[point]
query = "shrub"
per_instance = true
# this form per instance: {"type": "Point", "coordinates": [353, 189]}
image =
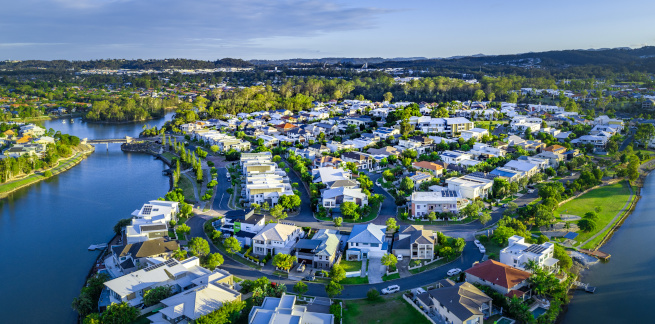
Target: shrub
{"type": "Point", "coordinates": [47, 174]}
{"type": "Point", "coordinates": [372, 294]}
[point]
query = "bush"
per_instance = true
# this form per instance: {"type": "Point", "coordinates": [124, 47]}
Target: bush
{"type": "Point", "coordinates": [47, 174]}
{"type": "Point", "coordinates": [210, 163]}
{"type": "Point", "coordinates": [372, 294]}
{"type": "Point", "coordinates": [335, 309]}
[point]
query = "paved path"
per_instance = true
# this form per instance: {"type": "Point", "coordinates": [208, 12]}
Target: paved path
{"type": "Point", "coordinates": [375, 270]}
{"type": "Point", "coordinates": [611, 223]}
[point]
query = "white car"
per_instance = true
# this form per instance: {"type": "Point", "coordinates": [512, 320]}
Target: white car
{"type": "Point", "coordinates": [477, 243]}
{"type": "Point", "coordinates": [399, 257]}
{"type": "Point", "coordinates": [391, 289]}
{"type": "Point", "coordinates": [530, 190]}
{"type": "Point", "coordinates": [482, 249]}
{"type": "Point", "coordinates": [454, 271]}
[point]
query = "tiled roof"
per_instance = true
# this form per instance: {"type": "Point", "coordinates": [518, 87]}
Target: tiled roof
{"type": "Point", "coordinates": [499, 273]}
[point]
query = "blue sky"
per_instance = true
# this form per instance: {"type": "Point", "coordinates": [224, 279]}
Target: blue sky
{"type": "Point", "coordinates": [270, 29]}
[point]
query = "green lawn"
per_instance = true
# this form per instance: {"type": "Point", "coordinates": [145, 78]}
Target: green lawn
{"type": "Point", "coordinates": [169, 156]}
{"type": "Point", "coordinates": [391, 277]}
{"type": "Point", "coordinates": [171, 234]}
{"type": "Point", "coordinates": [354, 281]}
{"type": "Point", "coordinates": [393, 310]}
{"type": "Point", "coordinates": [432, 265]}
{"type": "Point", "coordinates": [371, 215]}
{"type": "Point", "coordinates": [610, 198]}
{"type": "Point", "coordinates": [187, 188]}
{"type": "Point", "coordinates": [350, 266]}
{"type": "Point", "coordinates": [592, 244]}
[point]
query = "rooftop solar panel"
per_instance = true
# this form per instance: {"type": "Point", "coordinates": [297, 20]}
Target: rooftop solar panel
{"type": "Point", "coordinates": [534, 248]}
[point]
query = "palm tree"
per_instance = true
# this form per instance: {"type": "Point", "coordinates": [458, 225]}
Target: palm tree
{"type": "Point", "coordinates": [531, 265]}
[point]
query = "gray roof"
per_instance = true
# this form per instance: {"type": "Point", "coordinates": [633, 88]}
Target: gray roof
{"type": "Point", "coordinates": [463, 300]}
{"type": "Point", "coordinates": [369, 233]}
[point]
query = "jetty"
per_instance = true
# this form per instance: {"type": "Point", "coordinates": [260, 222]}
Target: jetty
{"type": "Point", "coordinates": [598, 254]}
{"type": "Point", "coordinates": [94, 247]}
{"type": "Point", "coordinates": [584, 286]}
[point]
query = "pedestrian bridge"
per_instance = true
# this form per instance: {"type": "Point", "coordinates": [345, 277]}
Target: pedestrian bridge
{"type": "Point", "coordinates": [127, 139]}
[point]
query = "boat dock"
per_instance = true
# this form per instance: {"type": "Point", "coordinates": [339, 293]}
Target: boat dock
{"type": "Point", "coordinates": [585, 287]}
{"type": "Point", "coordinates": [94, 247]}
{"type": "Point", "coordinates": [598, 254]}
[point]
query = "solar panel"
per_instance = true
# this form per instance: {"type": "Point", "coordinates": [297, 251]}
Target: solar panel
{"type": "Point", "coordinates": [534, 248]}
{"type": "Point", "coordinates": [571, 235]}
{"type": "Point", "coordinates": [146, 210]}
{"type": "Point", "coordinates": [153, 267]}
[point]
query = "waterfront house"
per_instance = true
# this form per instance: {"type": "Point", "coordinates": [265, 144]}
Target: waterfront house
{"type": "Point", "coordinates": [518, 253]}
{"type": "Point", "coordinates": [284, 310]}
{"type": "Point", "coordinates": [129, 257]}
{"type": "Point", "coordinates": [500, 277]}
{"type": "Point", "coordinates": [151, 221]}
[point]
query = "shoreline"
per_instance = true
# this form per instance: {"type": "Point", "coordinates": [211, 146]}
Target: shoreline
{"type": "Point", "coordinates": [84, 154]}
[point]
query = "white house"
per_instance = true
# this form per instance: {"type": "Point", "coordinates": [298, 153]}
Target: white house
{"type": "Point", "coordinates": [284, 310]}
{"type": "Point", "coordinates": [423, 203]}
{"type": "Point", "coordinates": [333, 198]}
{"type": "Point", "coordinates": [518, 253]}
{"type": "Point", "coordinates": [276, 238]}
{"type": "Point", "coordinates": [476, 133]}
{"type": "Point", "coordinates": [151, 221]}
{"type": "Point", "coordinates": [470, 187]}
{"type": "Point", "coordinates": [366, 241]}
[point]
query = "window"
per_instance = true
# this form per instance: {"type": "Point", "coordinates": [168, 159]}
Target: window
{"type": "Point", "coordinates": [375, 244]}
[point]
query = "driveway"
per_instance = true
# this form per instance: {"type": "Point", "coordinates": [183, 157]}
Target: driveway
{"type": "Point", "coordinates": [375, 270]}
{"type": "Point", "coordinates": [402, 265]}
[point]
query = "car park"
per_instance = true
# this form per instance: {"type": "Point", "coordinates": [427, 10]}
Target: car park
{"type": "Point", "coordinates": [454, 272]}
{"type": "Point", "coordinates": [391, 289]}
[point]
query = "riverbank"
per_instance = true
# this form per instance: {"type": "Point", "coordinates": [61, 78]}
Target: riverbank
{"type": "Point", "coordinates": [62, 165]}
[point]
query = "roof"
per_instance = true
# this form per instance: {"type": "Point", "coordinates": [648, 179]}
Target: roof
{"type": "Point", "coordinates": [198, 301]}
{"type": "Point", "coordinates": [368, 233]}
{"type": "Point", "coordinates": [463, 300]}
{"type": "Point", "coordinates": [498, 273]}
{"type": "Point", "coordinates": [343, 191]}
{"type": "Point", "coordinates": [276, 232]}
{"type": "Point", "coordinates": [147, 248]}
{"type": "Point", "coordinates": [427, 165]}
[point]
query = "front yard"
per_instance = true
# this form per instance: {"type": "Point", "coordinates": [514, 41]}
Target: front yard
{"type": "Point", "coordinates": [350, 266]}
{"type": "Point", "coordinates": [391, 310]}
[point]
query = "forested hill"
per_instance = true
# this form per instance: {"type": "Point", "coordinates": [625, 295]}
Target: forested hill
{"type": "Point", "coordinates": [640, 59]}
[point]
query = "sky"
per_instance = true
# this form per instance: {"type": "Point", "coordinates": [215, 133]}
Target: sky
{"type": "Point", "coordinates": [272, 29]}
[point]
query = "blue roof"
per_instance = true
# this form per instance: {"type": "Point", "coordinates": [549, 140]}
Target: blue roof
{"type": "Point", "coordinates": [502, 173]}
{"type": "Point", "coordinates": [368, 233]}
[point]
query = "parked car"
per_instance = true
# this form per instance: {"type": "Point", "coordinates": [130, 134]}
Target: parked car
{"type": "Point", "coordinates": [477, 243]}
{"type": "Point", "coordinates": [454, 271]}
{"type": "Point", "coordinates": [530, 190]}
{"type": "Point", "coordinates": [482, 249]}
{"type": "Point", "coordinates": [399, 257]}
{"type": "Point", "coordinates": [390, 290]}
{"type": "Point", "coordinates": [301, 267]}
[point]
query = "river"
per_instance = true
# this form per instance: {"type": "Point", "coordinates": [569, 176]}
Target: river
{"type": "Point", "coordinates": [626, 284]}
{"type": "Point", "coordinates": [45, 229]}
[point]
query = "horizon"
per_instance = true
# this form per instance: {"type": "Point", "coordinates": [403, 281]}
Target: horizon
{"type": "Point", "coordinates": [260, 30]}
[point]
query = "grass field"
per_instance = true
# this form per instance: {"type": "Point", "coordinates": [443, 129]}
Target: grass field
{"type": "Point", "coordinates": [592, 244]}
{"type": "Point", "coordinates": [351, 265]}
{"type": "Point", "coordinates": [6, 187]}
{"type": "Point", "coordinates": [187, 188]}
{"type": "Point", "coordinates": [610, 198]}
{"type": "Point", "coordinates": [391, 277]}
{"type": "Point", "coordinates": [169, 156]}
{"type": "Point", "coordinates": [354, 281]}
{"type": "Point", "coordinates": [394, 310]}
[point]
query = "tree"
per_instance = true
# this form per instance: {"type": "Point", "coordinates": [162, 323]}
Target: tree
{"type": "Point", "coordinates": [502, 234]}
{"type": "Point", "coordinates": [349, 209]}
{"type": "Point", "coordinates": [213, 260]}
{"type": "Point", "coordinates": [338, 221]}
{"type": "Point", "coordinates": [183, 229]}
{"type": "Point", "coordinates": [591, 215]}
{"type": "Point", "coordinates": [389, 260]}
{"type": "Point", "coordinates": [478, 95]}
{"type": "Point", "coordinates": [459, 244]}
{"type": "Point", "coordinates": [229, 312]}
{"type": "Point", "coordinates": [587, 225]}
{"type": "Point", "coordinates": [278, 212]}
{"type": "Point", "coordinates": [284, 261]}
{"type": "Point", "coordinates": [365, 182]}
{"type": "Point", "coordinates": [333, 289]}
{"type": "Point", "coordinates": [485, 217]}
{"type": "Point", "coordinates": [232, 245]}
{"type": "Point", "coordinates": [337, 273]}
{"type": "Point", "coordinates": [446, 252]}
{"type": "Point", "coordinates": [387, 96]}
{"type": "Point", "coordinates": [180, 254]}
{"type": "Point", "coordinates": [300, 288]}
{"type": "Point", "coordinates": [198, 246]}
{"type": "Point", "coordinates": [407, 184]}
{"type": "Point", "coordinates": [157, 294]}
{"type": "Point", "coordinates": [565, 261]}
{"type": "Point", "coordinates": [120, 314]}
{"type": "Point", "coordinates": [391, 225]}
{"type": "Point", "coordinates": [510, 209]}
{"type": "Point", "coordinates": [214, 148]}
{"type": "Point", "coordinates": [372, 294]}
{"type": "Point", "coordinates": [185, 210]}
{"type": "Point", "coordinates": [432, 217]}
{"type": "Point", "coordinates": [118, 228]}
{"type": "Point", "coordinates": [644, 133]}
{"type": "Point", "coordinates": [93, 318]}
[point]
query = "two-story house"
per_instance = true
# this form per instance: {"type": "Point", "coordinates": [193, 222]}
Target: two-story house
{"type": "Point", "coordinates": [414, 242]}
{"type": "Point", "coordinates": [321, 251]}
{"type": "Point", "coordinates": [518, 253]}
{"type": "Point", "coordinates": [276, 238]}
{"type": "Point", "coordinates": [461, 303]}
{"type": "Point", "coordinates": [366, 240]}
{"type": "Point", "coordinates": [500, 277]}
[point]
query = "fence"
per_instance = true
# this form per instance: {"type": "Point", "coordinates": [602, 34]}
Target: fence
{"type": "Point", "coordinates": [353, 274]}
{"type": "Point", "coordinates": [418, 309]}
{"type": "Point", "coordinates": [424, 263]}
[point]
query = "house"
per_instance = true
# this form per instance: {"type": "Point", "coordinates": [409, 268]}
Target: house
{"type": "Point", "coordinates": [362, 160]}
{"type": "Point", "coordinates": [329, 175]}
{"type": "Point", "coordinates": [327, 161]}
{"type": "Point", "coordinates": [385, 151]}
{"type": "Point", "coordinates": [241, 220]}
{"type": "Point", "coordinates": [284, 310]}
{"type": "Point", "coordinates": [366, 240]}
{"type": "Point", "coordinates": [285, 127]}
{"type": "Point", "coordinates": [555, 149]}
{"type": "Point", "coordinates": [435, 169]}
{"type": "Point", "coordinates": [321, 251]}
{"type": "Point", "coordinates": [269, 141]}
{"type": "Point", "coordinates": [32, 130]}
{"type": "Point", "coordinates": [500, 277]}
{"type": "Point", "coordinates": [130, 288]}
{"type": "Point", "coordinates": [476, 133]}
{"type": "Point", "coordinates": [129, 257]}
{"type": "Point", "coordinates": [276, 238]}
{"type": "Point", "coordinates": [208, 294]}
{"type": "Point", "coordinates": [334, 197]}
{"type": "Point", "coordinates": [423, 203]}
{"type": "Point", "coordinates": [553, 158]}
{"type": "Point", "coordinates": [518, 253]}
{"type": "Point", "coordinates": [458, 304]}
{"type": "Point", "coordinates": [414, 242]}
{"type": "Point", "coordinates": [151, 221]}
{"type": "Point", "coordinates": [508, 174]}
{"type": "Point", "coordinates": [528, 169]}
{"type": "Point", "coordinates": [455, 157]}
{"type": "Point", "coordinates": [486, 150]}
{"type": "Point", "coordinates": [384, 132]}
{"type": "Point", "coordinates": [471, 187]}
{"type": "Point", "coordinates": [599, 142]}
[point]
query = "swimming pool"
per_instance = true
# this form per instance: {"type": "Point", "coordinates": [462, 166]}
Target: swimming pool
{"type": "Point", "coordinates": [505, 320]}
{"type": "Point", "coordinates": [538, 311]}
